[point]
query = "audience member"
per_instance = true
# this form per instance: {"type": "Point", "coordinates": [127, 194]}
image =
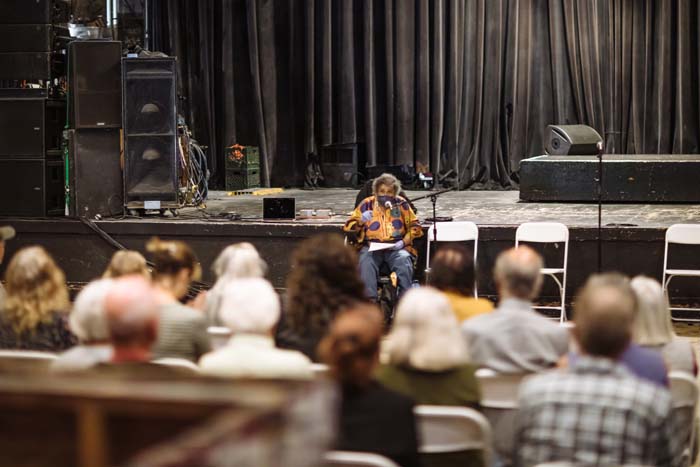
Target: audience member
{"type": "Point", "coordinates": [127, 263]}
{"type": "Point", "coordinates": [6, 233]}
{"type": "Point", "coordinates": [237, 261]}
{"type": "Point", "coordinates": [88, 322]}
{"type": "Point", "coordinates": [182, 331]}
{"type": "Point", "coordinates": [653, 328]}
{"type": "Point", "coordinates": [372, 418]}
{"type": "Point", "coordinates": [452, 271]}
{"type": "Point", "coordinates": [595, 412]}
{"type": "Point", "coordinates": [323, 279]}
{"type": "Point", "coordinates": [514, 338]}
{"type": "Point", "coordinates": [132, 312]}
{"type": "Point", "coordinates": [385, 217]}
{"type": "Point", "coordinates": [250, 308]}
{"type": "Point", "coordinates": [34, 313]}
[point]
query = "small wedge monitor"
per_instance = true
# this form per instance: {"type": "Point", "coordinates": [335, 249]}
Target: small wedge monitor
{"type": "Point", "coordinates": [279, 209]}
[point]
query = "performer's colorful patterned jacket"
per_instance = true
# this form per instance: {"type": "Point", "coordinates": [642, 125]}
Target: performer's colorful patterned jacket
{"type": "Point", "coordinates": [386, 226]}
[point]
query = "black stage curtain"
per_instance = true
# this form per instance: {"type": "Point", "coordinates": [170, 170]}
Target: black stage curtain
{"type": "Point", "coordinates": [461, 85]}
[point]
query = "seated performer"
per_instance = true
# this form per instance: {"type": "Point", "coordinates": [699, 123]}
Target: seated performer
{"type": "Point", "coordinates": [384, 217]}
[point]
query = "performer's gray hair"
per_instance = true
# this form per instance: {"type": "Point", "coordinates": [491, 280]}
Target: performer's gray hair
{"type": "Point", "coordinates": [387, 180]}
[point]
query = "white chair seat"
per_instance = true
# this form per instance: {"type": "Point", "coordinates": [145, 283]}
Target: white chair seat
{"type": "Point", "coordinates": [683, 272]}
{"type": "Point", "coordinates": [356, 459]}
{"type": "Point", "coordinates": [552, 270]}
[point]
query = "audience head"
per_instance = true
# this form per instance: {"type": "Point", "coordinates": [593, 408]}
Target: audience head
{"type": "Point", "coordinates": [127, 263]}
{"type": "Point", "coordinates": [6, 233]}
{"type": "Point", "coordinates": [603, 313]}
{"type": "Point", "coordinates": [517, 273]}
{"type": "Point", "coordinates": [425, 333]}
{"type": "Point", "coordinates": [88, 319]}
{"type": "Point", "coordinates": [386, 184]}
{"type": "Point", "coordinates": [249, 305]}
{"type": "Point", "coordinates": [652, 322]}
{"type": "Point", "coordinates": [35, 288]}
{"type": "Point", "coordinates": [323, 279]}
{"type": "Point", "coordinates": [239, 261]}
{"type": "Point", "coordinates": [351, 347]}
{"type": "Point", "coordinates": [132, 317]}
{"type": "Point", "coordinates": [452, 269]}
{"type": "Point", "coordinates": [175, 265]}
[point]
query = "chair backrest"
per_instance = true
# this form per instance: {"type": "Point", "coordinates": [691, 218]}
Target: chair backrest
{"type": "Point", "coordinates": [542, 232]}
{"type": "Point", "coordinates": [452, 429]}
{"type": "Point", "coordinates": [319, 369]}
{"type": "Point", "coordinates": [688, 234]}
{"type": "Point", "coordinates": [570, 464]}
{"type": "Point", "coordinates": [178, 363]}
{"type": "Point", "coordinates": [462, 231]}
{"type": "Point", "coordinates": [684, 393]}
{"type": "Point", "coordinates": [499, 390]}
{"type": "Point", "coordinates": [26, 360]}
{"type": "Point", "coordinates": [218, 336]}
{"type": "Point", "coordinates": [356, 459]}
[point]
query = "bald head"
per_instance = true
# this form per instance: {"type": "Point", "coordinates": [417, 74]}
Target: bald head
{"type": "Point", "coordinates": [131, 308]}
{"type": "Point", "coordinates": [517, 273]}
{"type": "Point", "coordinates": [604, 313]}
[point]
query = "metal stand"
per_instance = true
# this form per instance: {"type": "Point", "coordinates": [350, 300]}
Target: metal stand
{"type": "Point", "coordinates": [433, 196]}
{"type": "Point", "coordinates": [600, 208]}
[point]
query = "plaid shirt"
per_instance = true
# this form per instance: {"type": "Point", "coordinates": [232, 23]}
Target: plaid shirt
{"type": "Point", "coordinates": [595, 413]}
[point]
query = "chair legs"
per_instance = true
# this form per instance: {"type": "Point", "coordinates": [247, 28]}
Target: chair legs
{"type": "Point", "coordinates": [666, 282]}
{"type": "Point", "coordinates": [562, 298]}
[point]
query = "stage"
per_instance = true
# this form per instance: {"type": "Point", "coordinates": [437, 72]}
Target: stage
{"type": "Point", "coordinates": [632, 240]}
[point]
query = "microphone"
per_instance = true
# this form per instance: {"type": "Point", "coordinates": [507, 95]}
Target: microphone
{"type": "Point", "coordinates": [388, 205]}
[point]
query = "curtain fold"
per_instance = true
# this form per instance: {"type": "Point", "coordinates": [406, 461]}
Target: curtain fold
{"type": "Point", "coordinates": [464, 88]}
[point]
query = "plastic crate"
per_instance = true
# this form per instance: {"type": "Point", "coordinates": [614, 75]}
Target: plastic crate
{"type": "Point", "coordinates": [242, 157]}
{"type": "Point", "coordinates": [241, 179]}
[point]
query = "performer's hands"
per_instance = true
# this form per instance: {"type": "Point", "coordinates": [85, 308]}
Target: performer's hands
{"type": "Point", "coordinates": [366, 216]}
{"type": "Point", "coordinates": [398, 245]}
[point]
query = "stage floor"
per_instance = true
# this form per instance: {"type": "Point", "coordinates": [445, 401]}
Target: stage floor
{"type": "Point", "coordinates": [489, 208]}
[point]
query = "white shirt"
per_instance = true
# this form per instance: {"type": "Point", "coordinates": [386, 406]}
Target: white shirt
{"type": "Point", "coordinates": [255, 356]}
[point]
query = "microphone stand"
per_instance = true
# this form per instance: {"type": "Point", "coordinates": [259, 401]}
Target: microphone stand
{"type": "Point", "coordinates": [600, 207]}
{"type": "Point", "coordinates": [433, 199]}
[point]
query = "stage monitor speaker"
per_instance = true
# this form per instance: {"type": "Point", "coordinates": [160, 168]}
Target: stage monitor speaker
{"type": "Point", "coordinates": [30, 127]}
{"type": "Point", "coordinates": [26, 37]}
{"type": "Point", "coordinates": [25, 65]}
{"type": "Point", "coordinates": [339, 163]}
{"type": "Point", "coordinates": [31, 187]}
{"type": "Point", "coordinates": [95, 84]}
{"type": "Point", "coordinates": [96, 185]}
{"type": "Point", "coordinates": [580, 140]}
{"type": "Point", "coordinates": [26, 11]}
{"type": "Point", "coordinates": [150, 132]}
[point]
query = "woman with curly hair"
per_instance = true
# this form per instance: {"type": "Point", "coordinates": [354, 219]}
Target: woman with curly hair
{"type": "Point", "coordinates": [323, 280]}
{"type": "Point", "coordinates": [34, 313]}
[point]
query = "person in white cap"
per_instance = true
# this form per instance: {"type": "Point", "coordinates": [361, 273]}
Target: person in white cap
{"type": "Point", "coordinates": [6, 233]}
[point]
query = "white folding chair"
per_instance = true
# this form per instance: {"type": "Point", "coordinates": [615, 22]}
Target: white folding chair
{"type": "Point", "coordinates": [549, 232]}
{"type": "Point", "coordinates": [26, 360]}
{"type": "Point", "coordinates": [356, 459]}
{"type": "Point", "coordinates": [453, 232]}
{"type": "Point", "coordinates": [684, 392]}
{"type": "Point", "coordinates": [452, 429]}
{"type": "Point", "coordinates": [179, 364]}
{"type": "Point", "coordinates": [684, 234]}
{"type": "Point", "coordinates": [319, 369]}
{"type": "Point", "coordinates": [218, 336]}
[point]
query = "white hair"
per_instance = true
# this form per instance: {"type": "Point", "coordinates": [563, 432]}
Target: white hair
{"type": "Point", "coordinates": [652, 323]}
{"type": "Point", "coordinates": [425, 333]}
{"type": "Point", "coordinates": [238, 261]}
{"type": "Point", "coordinates": [249, 306]}
{"type": "Point", "coordinates": [87, 320]}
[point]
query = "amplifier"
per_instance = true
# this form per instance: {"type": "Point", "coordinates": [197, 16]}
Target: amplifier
{"type": "Point", "coordinates": [25, 65]}
{"type": "Point", "coordinates": [31, 187]}
{"type": "Point", "coordinates": [29, 127]}
{"type": "Point", "coordinates": [26, 38]}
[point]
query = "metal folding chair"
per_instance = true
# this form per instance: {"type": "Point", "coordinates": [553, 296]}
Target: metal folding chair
{"type": "Point", "coordinates": [453, 232]}
{"type": "Point", "coordinates": [683, 234]}
{"type": "Point", "coordinates": [356, 459]}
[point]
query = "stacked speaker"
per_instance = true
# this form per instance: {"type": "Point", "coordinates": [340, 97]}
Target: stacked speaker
{"type": "Point", "coordinates": [95, 91]}
{"type": "Point", "coordinates": [150, 133]}
{"type": "Point", "coordinates": [26, 39]}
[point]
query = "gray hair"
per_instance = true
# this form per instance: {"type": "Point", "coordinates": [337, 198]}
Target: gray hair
{"type": "Point", "coordinates": [238, 261]}
{"type": "Point", "coordinates": [652, 322]}
{"type": "Point", "coordinates": [518, 272]}
{"type": "Point", "coordinates": [249, 306]}
{"type": "Point", "coordinates": [386, 180]}
{"type": "Point", "coordinates": [87, 320]}
{"type": "Point", "coordinates": [425, 334]}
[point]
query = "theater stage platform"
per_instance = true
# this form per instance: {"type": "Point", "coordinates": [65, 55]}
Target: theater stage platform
{"type": "Point", "coordinates": [633, 234]}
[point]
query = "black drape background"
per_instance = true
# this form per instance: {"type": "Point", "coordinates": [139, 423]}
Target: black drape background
{"type": "Point", "coordinates": [463, 85]}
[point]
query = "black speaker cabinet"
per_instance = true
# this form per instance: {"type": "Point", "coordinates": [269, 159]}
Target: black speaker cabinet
{"type": "Point", "coordinates": [149, 110]}
{"type": "Point", "coordinates": [580, 140]}
{"type": "Point", "coordinates": [96, 185]}
{"type": "Point", "coordinates": [339, 163]}
{"type": "Point", "coordinates": [25, 65]}
{"type": "Point", "coordinates": [26, 37]}
{"type": "Point", "coordinates": [26, 11]}
{"type": "Point", "coordinates": [31, 187]}
{"type": "Point", "coordinates": [95, 84]}
{"type": "Point", "coordinates": [30, 127]}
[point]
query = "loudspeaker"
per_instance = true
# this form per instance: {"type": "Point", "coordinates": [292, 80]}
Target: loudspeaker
{"type": "Point", "coordinates": [580, 140]}
{"type": "Point", "coordinates": [96, 185]}
{"type": "Point", "coordinates": [26, 11]}
{"type": "Point", "coordinates": [31, 187]}
{"type": "Point", "coordinates": [26, 37]}
{"type": "Point", "coordinates": [30, 127]}
{"type": "Point", "coordinates": [339, 165]}
{"type": "Point", "coordinates": [25, 65]}
{"type": "Point", "coordinates": [149, 113]}
{"type": "Point", "coordinates": [95, 84]}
